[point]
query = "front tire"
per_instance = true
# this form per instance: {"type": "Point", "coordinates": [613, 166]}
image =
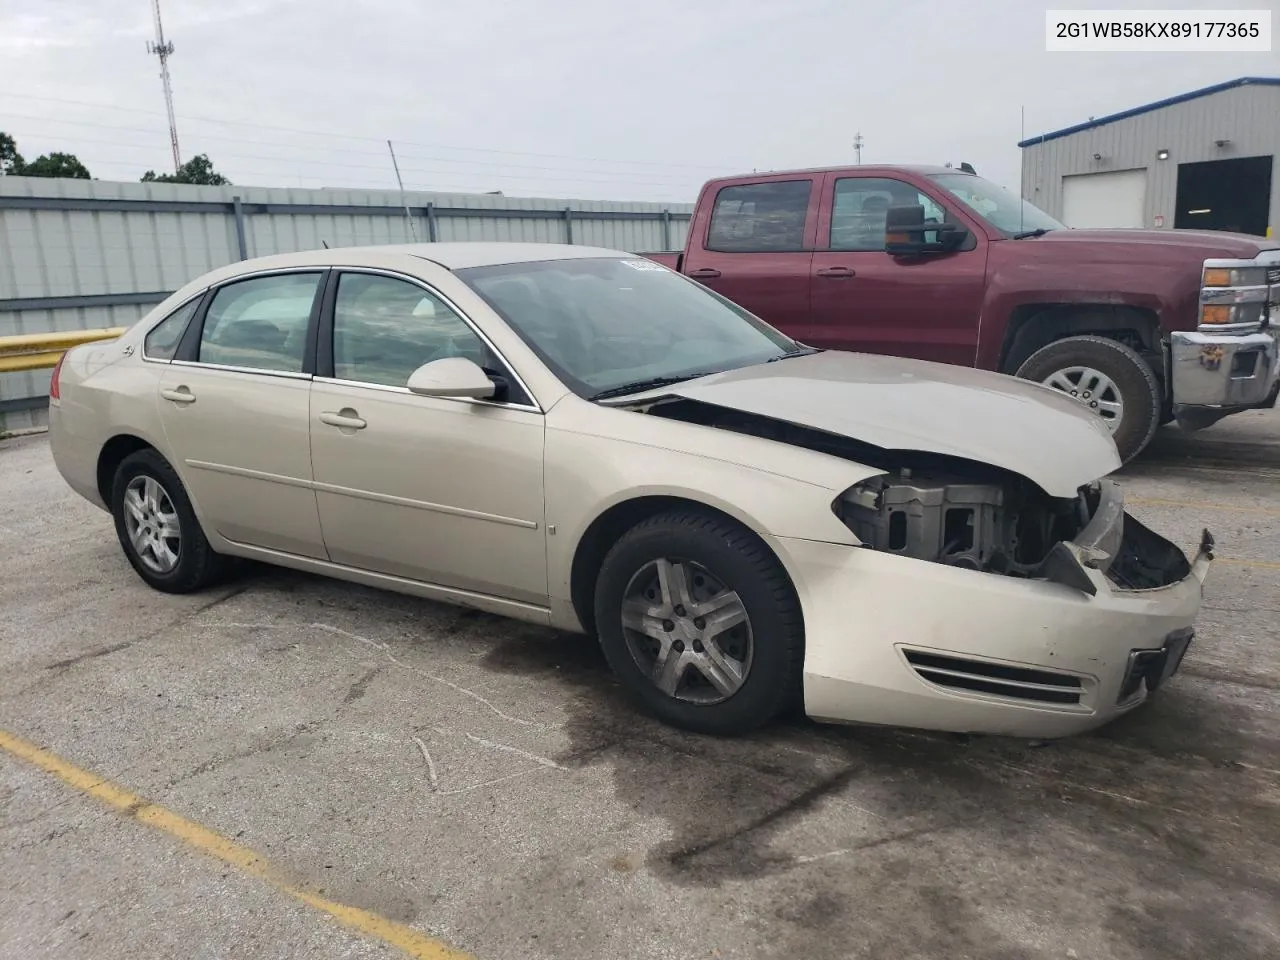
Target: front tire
{"type": "Point", "coordinates": [700, 623]}
{"type": "Point", "coordinates": [157, 526]}
{"type": "Point", "coordinates": [1108, 378]}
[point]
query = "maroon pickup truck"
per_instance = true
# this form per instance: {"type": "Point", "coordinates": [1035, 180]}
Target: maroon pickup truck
{"type": "Point", "coordinates": [1143, 326]}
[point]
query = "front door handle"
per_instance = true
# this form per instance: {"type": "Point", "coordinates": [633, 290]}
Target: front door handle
{"type": "Point", "coordinates": [704, 273]}
{"type": "Point", "coordinates": [181, 394]}
{"type": "Point", "coordinates": [345, 419]}
{"type": "Point", "coordinates": [836, 272]}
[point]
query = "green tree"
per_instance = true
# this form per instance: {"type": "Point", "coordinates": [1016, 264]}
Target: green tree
{"type": "Point", "coordinates": [48, 165]}
{"type": "Point", "coordinates": [11, 162]}
{"type": "Point", "coordinates": [199, 169]}
{"type": "Point", "coordinates": [56, 165]}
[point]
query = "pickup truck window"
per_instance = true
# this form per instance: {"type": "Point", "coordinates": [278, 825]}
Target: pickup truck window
{"type": "Point", "coordinates": [860, 207]}
{"type": "Point", "coordinates": [760, 217]}
{"type": "Point", "coordinates": [1001, 208]}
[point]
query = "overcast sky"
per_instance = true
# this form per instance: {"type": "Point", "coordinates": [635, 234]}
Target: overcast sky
{"type": "Point", "coordinates": [563, 98]}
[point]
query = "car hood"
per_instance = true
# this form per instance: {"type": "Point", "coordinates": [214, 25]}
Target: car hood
{"type": "Point", "coordinates": [1207, 243]}
{"type": "Point", "coordinates": [915, 405]}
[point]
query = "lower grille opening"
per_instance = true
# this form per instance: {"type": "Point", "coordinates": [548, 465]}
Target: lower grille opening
{"type": "Point", "coordinates": [1021, 683]}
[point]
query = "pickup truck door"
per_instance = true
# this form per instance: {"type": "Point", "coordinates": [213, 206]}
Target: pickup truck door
{"type": "Point", "coordinates": [866, 300]}
{"type": "Point", "coordinates": [753, 241]}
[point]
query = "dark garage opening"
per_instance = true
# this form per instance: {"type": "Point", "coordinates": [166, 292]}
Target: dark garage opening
{"type": "Point", "coordinates": [1230, 195]}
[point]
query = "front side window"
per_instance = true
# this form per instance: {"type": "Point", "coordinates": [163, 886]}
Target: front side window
{"type": "Point", "coordinates": [384, 329]}
{"type": "Point", "coordinates": [162, 342]}
{"type": "Point", "coordinates": [260, 323]}
{"type": "Point", "coordinates": [604, 323]}
{"type": "Point", "coordinates": [1004, 210]}
{"type": "Point", "coordinates": [760, 217]}
{"type": "Point", "coordinates": [860, 210]}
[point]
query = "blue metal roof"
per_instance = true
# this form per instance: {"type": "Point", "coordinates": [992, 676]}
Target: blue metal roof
{"type": "Point", "coordinates": [1147, 108]}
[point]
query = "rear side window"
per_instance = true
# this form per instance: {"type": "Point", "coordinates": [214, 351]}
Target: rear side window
{"type": "Point", "coordinates": [260, 323]}
{"type": "Point", "coordinates": [760, 217]}
{"type": "Point", "coordinates": [162, 342]}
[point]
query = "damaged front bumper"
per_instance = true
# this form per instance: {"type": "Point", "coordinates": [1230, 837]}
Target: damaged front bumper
{"type": "Point", "coordinates": [899, 641]}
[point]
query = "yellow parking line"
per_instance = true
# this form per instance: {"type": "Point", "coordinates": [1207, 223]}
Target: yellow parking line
{"type": "Point", "coordinates": [1268, 564]}
{"type": "Point", "coordinates": [214, 844]}
{"type": "Point", "coordinates": [1199, 505]}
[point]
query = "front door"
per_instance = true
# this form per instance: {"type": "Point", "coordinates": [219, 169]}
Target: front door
{"type": "Point", "coordinates": [867, 300]}
{"type": "Point", "coordinates": [438, 490]}
{"type": "Point", "coordinates": [235, 410]}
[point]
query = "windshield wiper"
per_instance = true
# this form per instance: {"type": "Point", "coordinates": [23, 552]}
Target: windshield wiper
{"type": "Point", "coordinates": [802, 352]}
{"type": "Point", "coordinates": [639, 386]}
{"type": "Point", "coordinates": [1038, 232]}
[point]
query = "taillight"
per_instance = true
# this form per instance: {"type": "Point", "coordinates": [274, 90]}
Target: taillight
{"type": "Point", "coordinates": [54, 390]}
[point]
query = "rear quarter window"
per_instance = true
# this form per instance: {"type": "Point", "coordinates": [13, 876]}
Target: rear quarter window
{"type": "Point", "coordinates": [162, 342]}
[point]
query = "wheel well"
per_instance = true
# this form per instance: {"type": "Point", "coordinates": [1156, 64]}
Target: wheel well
{"type": "Point", "coordinates": [1033, 326]}
{"type": "Point", "coordinates": [113, 451]}
{"type": "Point", "coordinates": [607, 529]}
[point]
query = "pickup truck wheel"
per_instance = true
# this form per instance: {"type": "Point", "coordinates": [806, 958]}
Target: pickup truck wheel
{"type": "Point", "coordinates": [1109, 378]}
{"type": "Point", "coordinates": [701, 623]}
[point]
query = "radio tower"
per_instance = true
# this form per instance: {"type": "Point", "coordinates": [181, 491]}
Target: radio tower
{"type": "Point", "coordinates": [857, 137]}
{"type": "Point", "coordinates": [164, 50]}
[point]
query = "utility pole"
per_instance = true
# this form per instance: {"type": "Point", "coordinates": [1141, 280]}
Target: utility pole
{"type": "Point", "coordinates": [413, 231]}
{"type": "Point", "coordinates": [857, 146]}
{"type": "Point", "coordinates": [165, 50]}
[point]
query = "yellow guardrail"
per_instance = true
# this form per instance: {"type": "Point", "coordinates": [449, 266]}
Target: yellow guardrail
{"type": "Point", "coordinates": [38, 351]}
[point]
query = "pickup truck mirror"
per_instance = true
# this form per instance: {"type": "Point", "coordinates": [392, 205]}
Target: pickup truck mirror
{"type": "Point", "coordinates": [905, 232]}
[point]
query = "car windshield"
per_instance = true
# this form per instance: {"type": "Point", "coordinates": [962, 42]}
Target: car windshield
{"type": "Point", "coordinates": [603, 324]}
{"type": "Point", "coordinates": [1001, 208]}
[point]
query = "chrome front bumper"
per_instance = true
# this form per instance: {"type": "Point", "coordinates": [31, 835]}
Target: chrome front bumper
{"type": "Point", "coordinates": [1214, 375]}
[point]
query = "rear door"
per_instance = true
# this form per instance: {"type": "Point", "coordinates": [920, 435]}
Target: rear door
{"type": "Point", "coordinates": [234, 403]}
{"type": "Point", "coordinates": [866, 300]}
{"type": "Point", "coordinates": [753, 242]}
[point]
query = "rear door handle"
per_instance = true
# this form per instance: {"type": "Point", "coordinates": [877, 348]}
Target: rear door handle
{"type": "Point", "coordinates": [836, 272]}
{"type": "Point", "coordinates": [704, 273]}
{"type": "Point", "coordinates": [181, 394]}
{"type": "Point", "coordinates": [346, 419]}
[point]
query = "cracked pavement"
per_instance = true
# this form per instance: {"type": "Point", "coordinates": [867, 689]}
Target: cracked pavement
{"type": "Point", "coordinates": [485, 781]}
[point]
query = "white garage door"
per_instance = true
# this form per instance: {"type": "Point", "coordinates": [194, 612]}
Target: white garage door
{"type": "Point", "coordinates": [1113, 199]}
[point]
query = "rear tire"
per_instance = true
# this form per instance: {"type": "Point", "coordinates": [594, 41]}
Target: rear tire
{"type": "Point", "coordinates": [1126, 393]}
{"type": "Point", "coordinates": [713, 639]}
{"type": "Point", "coordinates": [157, 526]}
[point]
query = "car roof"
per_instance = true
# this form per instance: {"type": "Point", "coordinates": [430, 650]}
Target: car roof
{"type": "Point", "coordinates": [452, 256]}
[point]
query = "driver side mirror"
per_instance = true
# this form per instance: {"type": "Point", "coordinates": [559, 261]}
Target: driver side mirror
{"type": "Point", "coordinates": [905, 230]}
{"type": "Point", "coordinates": [451, 377]}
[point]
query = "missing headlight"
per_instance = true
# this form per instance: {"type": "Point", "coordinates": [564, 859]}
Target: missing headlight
{"type": "Point", "coordinates": [946, 518]}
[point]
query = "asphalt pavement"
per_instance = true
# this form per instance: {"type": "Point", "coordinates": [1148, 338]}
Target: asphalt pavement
{"type": "Point", "coordinates": [288, 766]}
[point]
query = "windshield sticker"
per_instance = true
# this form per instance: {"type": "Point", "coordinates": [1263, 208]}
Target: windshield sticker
{"type": "Point", "coordinates": [644, 265]}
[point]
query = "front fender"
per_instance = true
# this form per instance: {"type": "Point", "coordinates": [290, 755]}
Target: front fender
{"type": "Point", "coordinates": [588, 475]}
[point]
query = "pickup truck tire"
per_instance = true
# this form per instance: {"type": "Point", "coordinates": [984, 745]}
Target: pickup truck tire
{"type": "Point", "coordinates": [1110, 378]}
{"type": "Point", "coordinates": [700, 623]}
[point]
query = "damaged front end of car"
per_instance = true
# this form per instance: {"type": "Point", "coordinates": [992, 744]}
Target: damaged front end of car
{"type": "Point", "coordinates": [1012, 528]}
{"type": "Point", "coordinates": [943, 508]}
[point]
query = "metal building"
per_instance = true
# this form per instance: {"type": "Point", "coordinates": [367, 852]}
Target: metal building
{"type": "Point", "coordinates": [1208, 159]}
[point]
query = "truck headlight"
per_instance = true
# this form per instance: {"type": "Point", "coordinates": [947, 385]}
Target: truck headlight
{"type": "Point", "coordinates": [1214, 316]}
{"type": "Point", "coordinates": [1234, 276]}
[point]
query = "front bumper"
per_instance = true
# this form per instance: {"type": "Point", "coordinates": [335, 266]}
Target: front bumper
{"type": "Point", "coordinates": [892, 640]}
{"type": "Point", "coordinates": [1214, 375]}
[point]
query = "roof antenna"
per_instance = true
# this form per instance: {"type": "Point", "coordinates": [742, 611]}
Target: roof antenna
{"type": "Point", "coordinates": [326, 244]}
